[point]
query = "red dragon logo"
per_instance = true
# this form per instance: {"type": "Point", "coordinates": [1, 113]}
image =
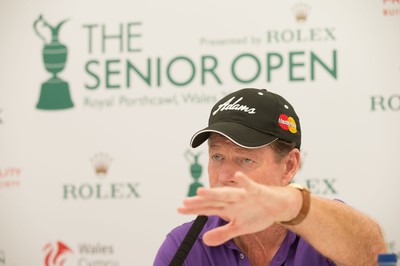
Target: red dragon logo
{"type": "Point", "coordinates": [55, 255]}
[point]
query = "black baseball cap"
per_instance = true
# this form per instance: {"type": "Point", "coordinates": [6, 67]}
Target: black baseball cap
{"type": "Point", "coordinates": [252, 118]}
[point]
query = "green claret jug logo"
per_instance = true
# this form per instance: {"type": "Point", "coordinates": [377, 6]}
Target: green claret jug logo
{"type": "Point", "coordinates": [195, 171]}
{"type": "Point", "coordinates": [54, 93]}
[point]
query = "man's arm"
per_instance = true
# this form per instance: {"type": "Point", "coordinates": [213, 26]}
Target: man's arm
{"type": "Point", "coordinates": [336, 230]}
{"type": "Point", "coordinates": [341, 233]}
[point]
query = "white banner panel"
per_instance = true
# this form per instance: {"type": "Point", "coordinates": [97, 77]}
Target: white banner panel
{"type": "Point", "coordinates": [99, 99]}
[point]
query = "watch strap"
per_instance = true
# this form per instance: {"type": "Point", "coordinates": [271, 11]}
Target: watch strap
{"type": "Point", "coordinates": [305, 207]}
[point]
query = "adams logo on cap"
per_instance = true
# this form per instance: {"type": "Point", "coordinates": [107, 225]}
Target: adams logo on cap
{"type": "Point", "coordinates": [235, 106]}
{"type": "Point", "coordinates": [287, 123]}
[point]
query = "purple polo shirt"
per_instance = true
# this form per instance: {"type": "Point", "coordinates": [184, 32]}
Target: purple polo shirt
{"type": "Point", "coordinates": [294, 251]}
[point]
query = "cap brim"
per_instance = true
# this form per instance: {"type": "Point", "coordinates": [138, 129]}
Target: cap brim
{"type": "Point", "coordinates": [239, 134]}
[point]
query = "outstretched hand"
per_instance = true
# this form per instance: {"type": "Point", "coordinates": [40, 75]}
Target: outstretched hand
{"type": "Point", "coordinates": [248, 207]}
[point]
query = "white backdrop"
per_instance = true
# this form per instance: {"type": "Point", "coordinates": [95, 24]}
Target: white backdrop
{"type": "Point", "coordinates": [98, 183]}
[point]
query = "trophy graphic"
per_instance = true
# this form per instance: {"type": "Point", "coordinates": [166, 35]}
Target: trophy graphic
{"type": "Point", "coordinates": [54, 93]}
{"type": "Point", "coordinates": [195, 170]}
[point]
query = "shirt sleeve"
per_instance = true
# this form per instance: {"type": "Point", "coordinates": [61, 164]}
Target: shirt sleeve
{"type": "Point", "coordinates": [166, 251]}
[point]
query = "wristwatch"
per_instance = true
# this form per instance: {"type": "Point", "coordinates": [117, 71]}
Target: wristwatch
{"type": "Point", "coordinates": [305, 207]}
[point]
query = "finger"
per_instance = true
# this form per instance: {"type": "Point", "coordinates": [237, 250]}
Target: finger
{"type": "Point", "coordinates": [200, 205]}
{"type": "Point", "coordinates": [203, 204]}
{"type": "Point", "coordinates": [202, 211]}
{"type": "Point", "coordinates": [223, 194]}
{"type": "Point", "coordinates": [200, 201]}
{"type": "Point", "coordinates": [220, 235]}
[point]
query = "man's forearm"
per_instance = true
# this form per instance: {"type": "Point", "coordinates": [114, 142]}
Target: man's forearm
{"type": "Point", "coordinates": [341, 233]}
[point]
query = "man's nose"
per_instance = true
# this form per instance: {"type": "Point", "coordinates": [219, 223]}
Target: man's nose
{"type": "Point", "coordinates": [227, 172]}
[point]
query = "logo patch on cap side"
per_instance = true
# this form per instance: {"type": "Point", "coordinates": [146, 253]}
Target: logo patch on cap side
{"type": "Point", "coordinates": [287, 123]}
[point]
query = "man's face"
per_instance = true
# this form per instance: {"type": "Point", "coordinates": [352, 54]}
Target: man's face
{"type": "Point", "coordinates": [226, 158]}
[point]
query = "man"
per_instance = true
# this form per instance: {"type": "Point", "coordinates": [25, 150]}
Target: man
{"type": "Point", "coordinates": [255, 215]}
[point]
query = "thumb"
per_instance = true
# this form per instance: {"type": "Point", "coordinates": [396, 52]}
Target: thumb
{"type": "Point", "coordinates": [243, 180]}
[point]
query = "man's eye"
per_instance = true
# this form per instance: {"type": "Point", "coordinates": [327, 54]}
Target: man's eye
{"type": "Point", "coordinates": [216, 157]}
{"type": "Point", "coordinates": [247, 160]}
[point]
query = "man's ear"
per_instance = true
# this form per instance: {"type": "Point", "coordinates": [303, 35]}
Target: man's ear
{"type": "Point", "coordinates": [292, 164]}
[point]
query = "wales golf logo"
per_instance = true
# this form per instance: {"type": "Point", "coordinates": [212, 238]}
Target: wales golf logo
{"type": "Point", "coordinates": [54, 93]}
